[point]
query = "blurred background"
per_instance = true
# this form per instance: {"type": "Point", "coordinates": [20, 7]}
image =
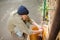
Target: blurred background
{"type": "Point", "coordinates": [8, 6]}
{"type": "Point", "coordinates": [42, 11]}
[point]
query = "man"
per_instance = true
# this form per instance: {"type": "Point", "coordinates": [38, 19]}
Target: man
{"type": "Point", "coordinates": [19, 24]}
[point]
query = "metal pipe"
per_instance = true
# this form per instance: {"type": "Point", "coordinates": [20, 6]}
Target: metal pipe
{"type": "Point", "coordinates": [44, 10]}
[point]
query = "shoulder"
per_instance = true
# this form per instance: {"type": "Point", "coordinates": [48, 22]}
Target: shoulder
{"type": "Point", "coordinates": [12, 17]}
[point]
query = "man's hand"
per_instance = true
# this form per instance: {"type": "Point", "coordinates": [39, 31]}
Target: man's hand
{"type": "Point", "coordinates": [37, 31]}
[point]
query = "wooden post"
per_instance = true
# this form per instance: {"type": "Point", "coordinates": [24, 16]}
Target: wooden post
{"type": "Point", "coordinates": [56, 23]}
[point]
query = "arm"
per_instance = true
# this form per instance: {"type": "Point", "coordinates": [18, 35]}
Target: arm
{"type": "Point", "coordinates": [35, 24]}
{"type": "Point", "coordinates": [21, 25]}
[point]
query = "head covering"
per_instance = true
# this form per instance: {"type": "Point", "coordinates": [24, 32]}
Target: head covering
{"type": "Point", "coordinates": [22, 10]}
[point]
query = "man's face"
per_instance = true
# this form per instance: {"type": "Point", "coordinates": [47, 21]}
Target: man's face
{"type": "Point", "coordinates": [24, 17]}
